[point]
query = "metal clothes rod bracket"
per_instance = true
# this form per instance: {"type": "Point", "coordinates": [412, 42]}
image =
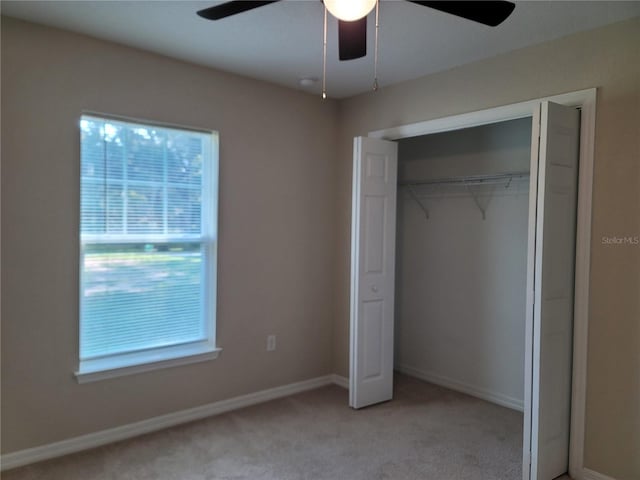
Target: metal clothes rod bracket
{"type": "Point", "coordinates": [415, 197]}
{"type": "Point", "coordinates": [477, 201]}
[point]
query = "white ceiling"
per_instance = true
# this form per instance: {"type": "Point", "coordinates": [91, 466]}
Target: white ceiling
{"type": "Point", "coordinates": [282, 42]}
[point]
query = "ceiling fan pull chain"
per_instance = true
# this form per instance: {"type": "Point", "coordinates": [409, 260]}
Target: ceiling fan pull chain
{"type": "Point", "coordinates": [375, 57]}
{"type": "Point", "coordinates": [324, 57]}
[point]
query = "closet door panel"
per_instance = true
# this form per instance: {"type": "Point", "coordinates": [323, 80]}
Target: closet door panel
{"type": "Point", "coordinates": [553, 290]}
{"type": "Point", "coordinates": [372, 271]}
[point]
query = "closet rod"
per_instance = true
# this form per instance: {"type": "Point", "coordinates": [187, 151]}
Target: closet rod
{"type": "Point", "coordinates": [469, 179]}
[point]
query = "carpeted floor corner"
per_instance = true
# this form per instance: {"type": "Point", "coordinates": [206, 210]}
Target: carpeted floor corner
{"type": "Point", "coordinates": [426, 432]}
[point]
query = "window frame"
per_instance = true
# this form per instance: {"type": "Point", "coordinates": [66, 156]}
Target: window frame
{"type": "Point", "coordinates": [115, 365]}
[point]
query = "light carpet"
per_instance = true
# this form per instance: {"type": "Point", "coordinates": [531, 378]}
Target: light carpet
{"type": "Point", "coordinates": [426, 432]}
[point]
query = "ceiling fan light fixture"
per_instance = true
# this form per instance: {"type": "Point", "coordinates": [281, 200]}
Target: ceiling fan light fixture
{"type": "Point", "coordinates": [349, 10]}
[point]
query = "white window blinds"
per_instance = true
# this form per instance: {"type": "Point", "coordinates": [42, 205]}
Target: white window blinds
{"type": "Point", "coordinates": [147, 226]}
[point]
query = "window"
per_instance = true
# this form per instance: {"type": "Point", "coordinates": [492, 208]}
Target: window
{"type": "Point", "coordinates": [148, 235]}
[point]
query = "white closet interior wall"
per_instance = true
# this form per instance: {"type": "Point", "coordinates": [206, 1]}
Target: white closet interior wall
{"type": "Point", "coordinates": [460, 280]}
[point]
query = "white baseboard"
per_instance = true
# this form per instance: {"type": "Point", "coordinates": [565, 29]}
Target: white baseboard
{"type": "Point", "coordinates": [593, 475]}
{"type": "Point", "coordinates": [340, 380]}
{"type": "Point", "coordinates": [103, 437]}
{"type": "Point", "coordinates": [498, 398]}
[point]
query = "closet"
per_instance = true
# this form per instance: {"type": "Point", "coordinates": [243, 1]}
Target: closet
{"type": "Point", "coordinates": [485, 263]}
{"type": "Point", "coordinates": [461, 259]}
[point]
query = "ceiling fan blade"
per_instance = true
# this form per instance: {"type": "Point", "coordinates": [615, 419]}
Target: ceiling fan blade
{"type": "Point", "coordinates": [231, 8]}
{"type": "Point", "coordinates": [491, 13]}
{"type": "Point", "coordinates": [352, 39]}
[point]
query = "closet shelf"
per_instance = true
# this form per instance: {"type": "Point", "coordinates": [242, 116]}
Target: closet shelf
{"type": "Point", "coordinates": [503, 179]}
{"type": "Point", "coordinates": [470, 180]}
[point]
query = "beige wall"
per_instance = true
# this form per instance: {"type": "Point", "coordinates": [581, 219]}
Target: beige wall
{"type": "Point", "coordinates": [608, 58]}
{"type": "Point", "coordinates": [276, 220]}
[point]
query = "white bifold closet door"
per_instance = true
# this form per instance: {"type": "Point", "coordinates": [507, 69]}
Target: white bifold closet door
{"type": "Point", "coordinates": [373, 236]}
{"type": "Point", "coordinates": [552, 227]}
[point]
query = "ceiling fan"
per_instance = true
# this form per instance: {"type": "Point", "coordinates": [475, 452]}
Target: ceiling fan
{"type": "Point", "coordinates": [352, 29]}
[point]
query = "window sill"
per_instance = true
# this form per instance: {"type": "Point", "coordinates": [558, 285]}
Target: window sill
{"type": "Point", "coordinates": [104, 368]}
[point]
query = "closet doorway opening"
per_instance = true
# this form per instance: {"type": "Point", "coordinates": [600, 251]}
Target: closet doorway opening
{"type": "Point", "coordinates": [461, 259]}
{"type": "Point", "coordinates": [460, 286]}
{"type": "Point", "coordinates": [520, 336]}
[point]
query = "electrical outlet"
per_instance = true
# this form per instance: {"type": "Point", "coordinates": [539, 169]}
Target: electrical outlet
{"type": "Point", "coordinates": [271, 343]}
